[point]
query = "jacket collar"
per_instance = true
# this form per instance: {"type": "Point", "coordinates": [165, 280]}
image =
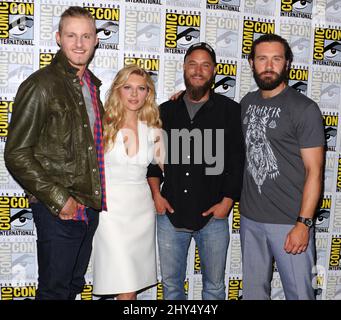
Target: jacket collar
{"type": "Point", "coordinates": [67, 69]}
{"type": "Point", "coordinates": [94, 79]}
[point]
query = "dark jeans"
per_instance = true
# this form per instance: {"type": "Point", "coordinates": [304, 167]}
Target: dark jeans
{"type": "Point", "coordinates": [64, 250]}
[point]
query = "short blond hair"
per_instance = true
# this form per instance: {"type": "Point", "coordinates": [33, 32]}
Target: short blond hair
{"type": "Point", "coordinates": [75, 12]}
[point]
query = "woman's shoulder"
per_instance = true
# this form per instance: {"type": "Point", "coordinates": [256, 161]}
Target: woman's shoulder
{"type": "Point", "coordinates": [150, 131]}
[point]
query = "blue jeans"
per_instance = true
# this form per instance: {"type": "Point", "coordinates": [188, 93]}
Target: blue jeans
{"type": "Point", "coordinates": [64, 249]}
{"type": "Point", "coordinates": [212, 242]}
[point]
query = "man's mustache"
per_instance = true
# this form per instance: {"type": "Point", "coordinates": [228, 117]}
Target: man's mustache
{"type": "Point", "coordinates": [268, 72]}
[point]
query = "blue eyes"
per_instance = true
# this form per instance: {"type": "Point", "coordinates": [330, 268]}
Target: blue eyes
{"type": "Point", "coordinates": [138, 88]}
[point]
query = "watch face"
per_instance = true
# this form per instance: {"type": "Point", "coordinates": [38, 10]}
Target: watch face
{"type": "Point", "coordinates": [309, 222]}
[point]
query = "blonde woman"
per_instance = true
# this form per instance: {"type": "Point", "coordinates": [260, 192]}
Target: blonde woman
{"type": "Point", "coordinates": [124, 243]}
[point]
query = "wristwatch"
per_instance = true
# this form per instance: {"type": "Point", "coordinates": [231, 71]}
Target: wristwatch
{"type": "Point", "coordinates": [307, 221]}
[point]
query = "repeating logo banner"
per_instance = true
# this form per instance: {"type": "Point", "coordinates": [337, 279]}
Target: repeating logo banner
{"type": "Point", "coordinates": [182, 29]}
{"type": "Point", "coordinates": [145, 1]}
{"type": "Point", "coordinates": [222, 33]}
{"type": "Point", "coordinates": [197, 264]}
{"type": "Point", "coordinates": [327, 46]}
{"type": "Point", "coordinates": [235, 218]}
{"type": "Point", "coordinates": [226, 78]}
{"type": "Point", "coordinates": [298, 78]}
{"type": "Point", "coordinates": [327, 11]}
{"type": "Point", "coordinates": [338, 182]}
{"type": "Point", "coordinates": [148, 62]}
{"type": "Point", "coordinates": [173, 79]}
{"type": "Point", "coordinates": [247, 83]}
{"type": "Point", "coordinates": [336, 226]}
{"type": "Point", "coordinates": [155, 34]}
{"type": "Point", "coordinates": [335, 253]}
{"type": "Point", "coordinates": [326, 87]}
{"type": "Point", "coordinates": [15, 216]}
{"type": "Point", "coordinates": [18, 264]}
{"type": "Point", "coordinates": [107, 17]}
{"type": "Point", "coordinates": [185, 4]}
{"type": "Point", "coordinates": [142, 29]}
{"type": "Point", "coordinates": [49, 16]}
{"type": "Point", "coordinates": [5, 117]}
{"type": "Point", "coordinates": [253, 28]}
{"type": "Point", "coordinates": [46, 56]}
{"type": "Point", "coordinates": [323, 214]}
{"type": "Point", "coordinates": [105, 65]}
{"type": "Point", "coordinates": [277, 292]}
{"type": "Point", "coordinates": [297, 9]}
{"type": "Point", "coordinates": [17, 22]}
{"type": "Point", "coordinates": [330, 121]}
{"type": "Point", "coordinates": [265, 8]}
{"type": "Point", "coordinates": [16, 64]}
{"type": "Point", "coordinates": [229, 5]}
{"type": "Point", "coordinates": [330, 168]}
{"type": "Point", "coordinates": [9, 292]}
{"type": "Point", "coordinates": [8, 185]}
{"type": "Point", "coordinates": [333, 290]}
{"type": "Point", "coordinates": [234, 261]}
{"type": "Point", "coordinates": [298, 34]}
{"type": "Point", "coordinates": [195, 290]}
{"type": "Point", "coordinates": [235, 288]}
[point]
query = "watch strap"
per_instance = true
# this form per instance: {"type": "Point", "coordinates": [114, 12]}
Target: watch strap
{"type": "Point", "coordinates": [307, 221]}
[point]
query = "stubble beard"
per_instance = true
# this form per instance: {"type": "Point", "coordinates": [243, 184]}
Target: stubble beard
{"type": "Point", "coordinates": [78, 61]}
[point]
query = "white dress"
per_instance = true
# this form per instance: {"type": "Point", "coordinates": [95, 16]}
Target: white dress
{"type": "Point", "coordinates": [124, 257]}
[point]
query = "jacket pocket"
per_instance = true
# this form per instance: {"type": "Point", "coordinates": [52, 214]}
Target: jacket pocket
{"type": "Point", "coordinates": [60, 136]}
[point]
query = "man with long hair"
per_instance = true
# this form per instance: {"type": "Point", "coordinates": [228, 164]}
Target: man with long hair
{"type": "Point", "coordinates": [284, 141]}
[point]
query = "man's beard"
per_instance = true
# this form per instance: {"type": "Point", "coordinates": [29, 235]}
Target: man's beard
{"type": "Point", "coordinates": [270, 84]}
{"type": "Point", "coordinates": [197, 92]}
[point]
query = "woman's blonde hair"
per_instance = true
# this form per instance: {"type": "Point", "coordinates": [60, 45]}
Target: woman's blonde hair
{"type": "Point", "coordinates": [114, 109]}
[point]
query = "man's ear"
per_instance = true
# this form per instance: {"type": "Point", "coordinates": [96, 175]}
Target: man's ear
{"type": "Point", "coordinates": [58, 38]}
{"type": "Point", "coordinates": [251, 63]}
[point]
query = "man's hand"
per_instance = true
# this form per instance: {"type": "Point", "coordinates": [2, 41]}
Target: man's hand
{"type": "Point", "coordinates": [297, 239]}
{"type": "Point", "coordinates": [176, 95]}
{"type": "Point", "coordinates": [69, 210]}
{"type": "Point", "coordinates": [161, 204]}
{"type": "Point", "coordinates": [220, 210]}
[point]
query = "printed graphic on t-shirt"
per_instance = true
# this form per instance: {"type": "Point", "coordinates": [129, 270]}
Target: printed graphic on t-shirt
{"type": "Point", "coordinates": [261, 160]}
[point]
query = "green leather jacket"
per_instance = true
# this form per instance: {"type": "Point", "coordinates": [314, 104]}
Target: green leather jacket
{"type": "Point", "coordinates": [50, 149]}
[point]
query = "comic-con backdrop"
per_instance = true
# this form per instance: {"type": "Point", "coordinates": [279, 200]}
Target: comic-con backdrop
{"type": "Point", "coordinates": [155, 35]}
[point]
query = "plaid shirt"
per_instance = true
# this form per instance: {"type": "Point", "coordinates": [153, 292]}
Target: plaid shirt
{"type": "Point", "coordinates": [98, 138]}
